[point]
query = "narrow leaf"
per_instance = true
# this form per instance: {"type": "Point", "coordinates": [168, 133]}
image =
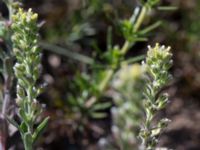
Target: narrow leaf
{"type": "Point", "coordinates": [167, 8]}
{"type": "Point", "coordinates": [98, 115]}
{"type": "Point", "coordinates": [101, 106]}
{"type": "Point", "coordinates": [13, 122]}
{"type": "Point", "coordinates": [40, 129]}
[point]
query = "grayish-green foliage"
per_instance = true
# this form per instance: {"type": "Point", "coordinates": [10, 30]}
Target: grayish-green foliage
{"type": "Point", "coordinates": [157, 64]}
{"type": "Point", "coordinates": [26, 69]}
{"type": "Point", "coordinates": [91, 86]}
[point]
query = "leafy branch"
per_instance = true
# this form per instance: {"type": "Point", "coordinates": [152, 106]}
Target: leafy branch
{"type": "Point", "coordinates": [130, 30]}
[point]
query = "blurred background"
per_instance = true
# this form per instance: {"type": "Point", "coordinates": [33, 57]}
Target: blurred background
{"type": "Point", "coordinates": [74, 35]}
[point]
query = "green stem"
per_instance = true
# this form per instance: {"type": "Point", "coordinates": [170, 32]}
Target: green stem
{"type": "Point", "coordinates": [125, 47]}
{"type": "Point", "coordinates": [10, 12]}
{"type": "Point", "coordinates": [106, 80]}
{"type": "Point", "coordinates": [140, 18]}
{"type": "Point", "coordinates": [28, 145]}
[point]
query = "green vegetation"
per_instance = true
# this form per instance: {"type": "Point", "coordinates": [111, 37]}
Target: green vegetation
{"type": "Point", "coordinates": [136, 90]}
